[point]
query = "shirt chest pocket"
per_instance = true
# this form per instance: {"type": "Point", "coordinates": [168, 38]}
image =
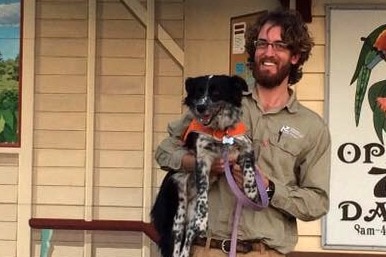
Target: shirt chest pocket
{"type": "Point", "coordinates": [286, 144]}
{"type": "Point", "coordinates": [280, 158]}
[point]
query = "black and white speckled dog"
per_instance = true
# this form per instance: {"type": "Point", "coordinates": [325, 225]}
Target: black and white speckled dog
{"type": "Point", "coordinates": [180, 212]}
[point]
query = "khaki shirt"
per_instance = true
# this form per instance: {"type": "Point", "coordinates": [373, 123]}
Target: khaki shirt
{"type": "Point", "coordinates": [292, 147]}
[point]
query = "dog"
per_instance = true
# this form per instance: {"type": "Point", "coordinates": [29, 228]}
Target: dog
{"type": "Point", "coordinates": [180, 212]}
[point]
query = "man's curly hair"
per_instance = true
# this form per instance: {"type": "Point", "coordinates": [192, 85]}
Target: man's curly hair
{"type": "Point", "coordinates": [294, 33]}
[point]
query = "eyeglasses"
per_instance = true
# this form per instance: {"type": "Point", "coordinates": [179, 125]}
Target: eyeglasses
{"type": "Point", "coordinates": [262, 44]}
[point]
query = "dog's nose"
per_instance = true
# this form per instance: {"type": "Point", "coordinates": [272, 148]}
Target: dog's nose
{"type": "Point", "coordinates": [202, 104]}
{"type": "Point", "coordinates": [201, 108]}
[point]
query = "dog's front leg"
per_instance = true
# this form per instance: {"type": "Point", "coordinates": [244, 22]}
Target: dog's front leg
{"type": "Point", "coordinates": [247, 161]}
{"type": "Point", "coordinates": [207, 151]}
{"type": "Point", "coordinates": [199, 221]}
{"type": "Point", "coordinates": [198, 214]}
{"type": "Point", "coordinates": [181, 217]}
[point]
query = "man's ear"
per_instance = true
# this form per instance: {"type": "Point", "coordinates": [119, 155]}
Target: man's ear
{"type": "Point", "coordinates": [295, 58]}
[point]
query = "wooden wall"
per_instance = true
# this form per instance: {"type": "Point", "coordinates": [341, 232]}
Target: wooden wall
{"type": "Point", "coordinates": [90, 124]}
{"type": "Point", "coordinates": [8, 202]}
{"type": "Point", "coordinates": [102, 78]}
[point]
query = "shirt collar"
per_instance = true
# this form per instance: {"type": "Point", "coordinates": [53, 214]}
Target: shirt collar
{"type": "Point", "coordinates": [292, 105]}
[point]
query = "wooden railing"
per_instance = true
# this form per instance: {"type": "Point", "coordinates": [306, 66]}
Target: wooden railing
{"type": "Point", "coordinates": [148, 229]}
{"type": "Point", "coordinates": [112, 225]}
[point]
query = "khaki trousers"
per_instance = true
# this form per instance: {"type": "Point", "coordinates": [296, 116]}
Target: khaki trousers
{"type": "Point", "coordinates": [201, 251]}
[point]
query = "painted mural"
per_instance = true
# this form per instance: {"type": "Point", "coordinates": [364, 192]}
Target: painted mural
{"type": "Point", "coordinates": [9, 72]}
{"type": "Point", "coordinates": [372, 53]}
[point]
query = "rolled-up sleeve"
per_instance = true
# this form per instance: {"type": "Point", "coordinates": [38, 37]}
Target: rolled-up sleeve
{"type": "Point", "coordinates": [170, 151]}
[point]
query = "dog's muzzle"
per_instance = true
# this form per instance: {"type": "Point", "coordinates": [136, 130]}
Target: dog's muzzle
{"type": "Point", "coordinates": [202, 105]}
{"type": "Point", "coordinates": [205, 109]}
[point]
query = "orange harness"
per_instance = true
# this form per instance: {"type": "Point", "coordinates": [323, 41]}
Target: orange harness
{"type": "Point", "coordinates": [195, 126]}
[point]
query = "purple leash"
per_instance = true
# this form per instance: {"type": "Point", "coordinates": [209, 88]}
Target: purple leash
{"type": "Point", "coordinates": [243, 200]}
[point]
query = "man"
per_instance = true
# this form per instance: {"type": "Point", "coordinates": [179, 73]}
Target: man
{"type": "Point", "coordinates": [292, 147]}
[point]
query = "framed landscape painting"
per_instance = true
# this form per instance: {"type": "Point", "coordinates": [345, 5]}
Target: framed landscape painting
{"type": "Point", "coordinates": [10, 51]}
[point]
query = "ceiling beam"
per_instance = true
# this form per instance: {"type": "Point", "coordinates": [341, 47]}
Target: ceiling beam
{"type": "Point", "coordinates": [163, 36]}
{"type": "Point", "coordinates": [302, 6]}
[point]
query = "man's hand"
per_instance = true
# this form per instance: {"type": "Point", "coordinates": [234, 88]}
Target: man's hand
{"type": "Point", "coordinates": [218, 167]}
{"type": "Point", "coordinates": [188, 162]}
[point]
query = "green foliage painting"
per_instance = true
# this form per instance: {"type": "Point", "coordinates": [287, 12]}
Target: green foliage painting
{"type": "Point", "coordinates": [373, 52]}
{"type": "Point", "coordinates": [9, 72]}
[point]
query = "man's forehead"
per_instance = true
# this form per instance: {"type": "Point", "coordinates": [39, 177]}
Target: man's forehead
{"type": "Point", "coordinates": [271, 29]}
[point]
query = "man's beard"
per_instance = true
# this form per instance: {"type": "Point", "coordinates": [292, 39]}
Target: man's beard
{"type": "Point", "coordinates": [268, 80]}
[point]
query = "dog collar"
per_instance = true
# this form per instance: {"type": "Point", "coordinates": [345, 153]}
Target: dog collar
{"type": "Point", "coordinates": [195, 126]}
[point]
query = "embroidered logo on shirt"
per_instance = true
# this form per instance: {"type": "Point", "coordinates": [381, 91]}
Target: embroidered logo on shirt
{"type": "Point", "coordinates": [292, 132]}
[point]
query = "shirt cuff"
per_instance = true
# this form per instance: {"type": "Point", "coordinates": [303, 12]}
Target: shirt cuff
{"type": "Point", "coordinates": [280, 196]}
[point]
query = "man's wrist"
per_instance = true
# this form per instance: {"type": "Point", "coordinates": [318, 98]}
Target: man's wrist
{"type": "Point", "coordinates": [270, 189]}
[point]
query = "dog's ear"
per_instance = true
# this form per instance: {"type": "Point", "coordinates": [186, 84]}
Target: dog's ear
{"type": "Point", "coordinates": [189, 85]}
{"type": "Point", "coordinates": [240, 82]}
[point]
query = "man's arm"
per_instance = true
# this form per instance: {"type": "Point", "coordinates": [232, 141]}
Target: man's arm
{"type": "Point", "coordinates": [171, 151]}
{"type": "Point", "coordinates": [309, 199]}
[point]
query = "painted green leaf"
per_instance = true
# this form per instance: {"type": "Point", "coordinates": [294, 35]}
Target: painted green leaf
{"type": "Point", "coordinates": [9, 118]}
{"type": "Point", "coordinates": [8, 126]}
{"type": "Point", "coordinates": [363, 80]}
{"type": "Point", "coordinates": [377, 101]}
{"type": "Point", "coordinates": [376, 90]}
{"type": "Point", "coordinates": [2, 123]}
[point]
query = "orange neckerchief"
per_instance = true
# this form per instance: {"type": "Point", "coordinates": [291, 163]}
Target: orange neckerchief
{"type": "Point", "coordinates": [196, 126]}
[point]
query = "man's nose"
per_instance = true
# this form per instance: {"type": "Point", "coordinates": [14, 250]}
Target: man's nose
{"type": "Point", "coordinates": [269, 51]}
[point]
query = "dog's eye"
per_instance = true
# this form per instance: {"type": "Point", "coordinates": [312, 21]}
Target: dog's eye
{"type": "Point", "coordinates": [201, 91]}
{"type": "Point", "coordinates": [215, 95]}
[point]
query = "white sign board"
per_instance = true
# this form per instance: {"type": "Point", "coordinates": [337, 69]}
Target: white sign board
{"type": "Point", "coordinates": [238, 37]}
{"type": "Point", "coordinates": [357, 216]}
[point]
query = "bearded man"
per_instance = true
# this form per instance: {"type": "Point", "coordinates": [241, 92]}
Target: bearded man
{"type": "Point", "coordinates": [291, 144]}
